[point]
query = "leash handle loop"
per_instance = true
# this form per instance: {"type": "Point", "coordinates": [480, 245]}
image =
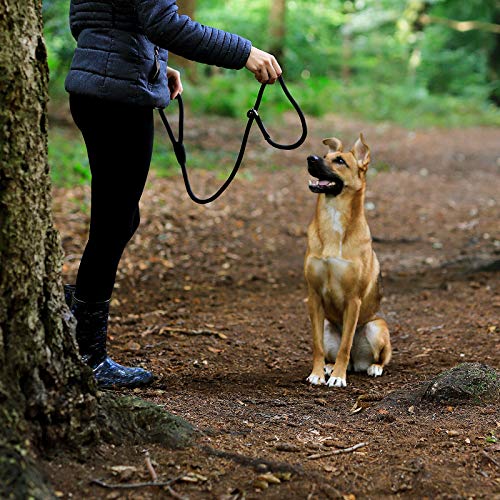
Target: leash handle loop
{"type": "Point", "coordinates": [299, 112]}
{"type": "Point", "coordinates": [252, 114]}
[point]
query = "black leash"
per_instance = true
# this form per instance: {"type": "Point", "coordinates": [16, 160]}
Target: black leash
{"type": "Point", "coordinates": [252, 114]}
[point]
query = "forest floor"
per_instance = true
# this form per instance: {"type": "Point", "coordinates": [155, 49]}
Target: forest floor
{"type": "Point", "coordinates": [212, 300]}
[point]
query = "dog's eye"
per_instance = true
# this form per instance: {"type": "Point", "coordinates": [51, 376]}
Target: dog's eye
{"type": "Point", "coordinates": [340, 161]}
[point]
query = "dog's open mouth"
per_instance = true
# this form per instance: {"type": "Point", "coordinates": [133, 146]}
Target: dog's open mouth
{"type": "Point", "coordinates": [325, 180]}
{"type": "Point", "coordinates": [332, 186]}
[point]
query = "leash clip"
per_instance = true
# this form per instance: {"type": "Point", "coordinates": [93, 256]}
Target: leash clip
{"type": "Point", "coordinates": [252, 113]}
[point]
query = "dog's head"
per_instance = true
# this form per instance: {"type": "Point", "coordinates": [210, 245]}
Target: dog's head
{"type": "Point", "coordinates": [338, 171]}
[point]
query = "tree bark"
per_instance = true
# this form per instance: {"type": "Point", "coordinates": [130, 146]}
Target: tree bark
{"type": "Point", "coordinates": [47, 395]}
{"type": "Point", "coordinates": [277, 28]}
{"type": "Point", "coordinates": [494, 64]}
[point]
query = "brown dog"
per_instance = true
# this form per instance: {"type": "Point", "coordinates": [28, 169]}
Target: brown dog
{"type": "Point", "coordinates": [342, 270]}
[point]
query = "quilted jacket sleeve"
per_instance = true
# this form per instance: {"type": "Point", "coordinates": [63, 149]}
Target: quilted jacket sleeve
{"type": "Point", "coordinates": [178, 33]}
{"type": "Point", "coordinates": [74, 31]}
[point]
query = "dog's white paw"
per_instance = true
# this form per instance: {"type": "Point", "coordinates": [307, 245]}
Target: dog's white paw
{"type": "Point", "coordinates": [315, 380]}
{"type": "Point", "coordinates": [375, 370]}
{"type": "Point", "coordinates": [337, 382]}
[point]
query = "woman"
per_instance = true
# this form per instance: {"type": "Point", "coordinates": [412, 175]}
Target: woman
{"type": "Point", "coordinates": [118, 75]}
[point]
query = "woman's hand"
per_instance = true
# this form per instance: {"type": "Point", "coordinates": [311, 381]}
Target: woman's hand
{"type": "Point", "coordinates": [174, 82]}
{"type": "Point", "coordinates": [264, 66]}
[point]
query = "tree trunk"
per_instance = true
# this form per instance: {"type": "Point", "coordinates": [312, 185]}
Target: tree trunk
{"type": "Point", "coordinates": [188, 8]}
{"type": "Point", "coordinates": [277, 28]}
{"type": "Point", "coordinates": [46, 394]}
{"type": "Point", "coordinates": [48, 397]}
{"type": "Point", "coordinates": [494, 64]}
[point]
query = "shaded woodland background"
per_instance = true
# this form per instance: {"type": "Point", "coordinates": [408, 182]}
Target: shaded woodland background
{"type": "Point", "coordinates": [414, 62]}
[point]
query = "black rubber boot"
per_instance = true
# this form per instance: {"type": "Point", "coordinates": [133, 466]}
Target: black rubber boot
{"type": "Point", "coordinates": [91, 334]}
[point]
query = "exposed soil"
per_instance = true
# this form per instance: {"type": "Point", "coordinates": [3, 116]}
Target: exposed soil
{"type": "Point", "coordinates": [211, 299]}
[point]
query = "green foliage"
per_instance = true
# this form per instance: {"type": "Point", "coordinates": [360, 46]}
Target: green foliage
{"type": "Point", "coordinates": [455, 62]}
{"type": "Point", "coordinates": [410, 106]}
{"type": "Point", "coordinates": [361, 43]}
{"type": "Point", "coordinates": [60, 43]}
{"type": "Point", "coordinates": [370, 58]}
{"type": "Point", "coordinates": [67, 158]}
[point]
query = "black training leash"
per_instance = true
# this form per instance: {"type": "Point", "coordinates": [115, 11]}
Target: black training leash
{"type": "Point", "coordinates": [252, 114]}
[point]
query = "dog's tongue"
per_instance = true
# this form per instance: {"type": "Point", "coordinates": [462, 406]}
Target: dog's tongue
{"type": "Point", "coordinates": [323, 183]}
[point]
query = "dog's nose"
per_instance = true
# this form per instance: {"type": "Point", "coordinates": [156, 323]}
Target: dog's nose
{"type": "Point", "coordinates": [313, 159]}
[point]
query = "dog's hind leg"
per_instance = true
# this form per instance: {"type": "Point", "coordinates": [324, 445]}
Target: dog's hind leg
{"type": "Point", "coordinates": [317, 317]}
{"type": "Point", "coordinates": [377, 335]}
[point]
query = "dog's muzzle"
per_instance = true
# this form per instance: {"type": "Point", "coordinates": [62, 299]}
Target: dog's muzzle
{"type": "Point", "coordinates": [328, 182]}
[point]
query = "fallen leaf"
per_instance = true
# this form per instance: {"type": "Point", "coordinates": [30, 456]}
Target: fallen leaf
{"type": "Point", "coordinates": [284, 476]}
{"type": "Point", "coordinates": [260, 484]}
{"type": "Point", "coordinates": [269, 477]}
{"type": "Point", "coordinates": [287, 447]}
{"type": "Point", "coordinates": [214, 350]}
{"type": "Point", "coordinates": [131, 345]}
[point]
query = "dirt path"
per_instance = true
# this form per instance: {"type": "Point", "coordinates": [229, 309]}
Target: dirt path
{"type": "Point", "coordinates": [234, 271]}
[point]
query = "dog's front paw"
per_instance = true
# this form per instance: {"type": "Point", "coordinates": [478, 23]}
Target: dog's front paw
{"type": "Point", "coordinates": [375, 370]}
{"type": "Point", "coordinates": [316, 379]}
{"type": "Point", "coordinates": [337, 382]}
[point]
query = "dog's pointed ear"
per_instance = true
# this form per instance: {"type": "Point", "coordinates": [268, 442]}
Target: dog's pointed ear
{"type": "Point", "coordinates": [334, 144]}
{"type": "Point", "coordinates": [361, 152]}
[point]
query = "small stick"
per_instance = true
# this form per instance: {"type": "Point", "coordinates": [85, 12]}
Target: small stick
{"type": "Point", "coordinates": [408, 469]}
{"type": "Point", "coordinates": [102, 484]}
{"type": "Point", "coordinates": [174, 494]}
{"type": "Point", "coordinates": [183, 331]}
{"type": "Point", "coordinates": [151, 469]}
{"type": "Point", "coordinates": [313, 489]}
{"type": "Point", "coordinates": [489, 457]}
{"type": "Point", "coordinates": [336, 452]}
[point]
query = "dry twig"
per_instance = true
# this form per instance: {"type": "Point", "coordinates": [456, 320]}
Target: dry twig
{"type": "Point", "coordinates": [149, 465]}
{"type": "Point", "coordinates": [489, 457]}
{"type": "Point", "coordinates": [313, 489]}
{"type": "Point", "coordinates": [174, 493]}
{"type": "Point", "coordinates": [183, 331]}
{"type": "Point", "coordinates": [126, 486]}
{"type": "Point", "coordinates": [336, 452]}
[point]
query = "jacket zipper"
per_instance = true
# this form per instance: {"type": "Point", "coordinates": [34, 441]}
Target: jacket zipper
{"type": "Point", "coordinates": [155, 70]}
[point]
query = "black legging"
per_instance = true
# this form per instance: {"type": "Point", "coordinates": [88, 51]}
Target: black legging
{"type": "Point", "coordinates": [119, 140]}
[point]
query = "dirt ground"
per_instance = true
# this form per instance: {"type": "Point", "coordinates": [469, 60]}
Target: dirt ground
{"type": "Point", "coordinates": [212, 300]}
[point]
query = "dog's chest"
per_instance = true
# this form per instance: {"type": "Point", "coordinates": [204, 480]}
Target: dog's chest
{"type": "Point", "coordinates": [328, 275]}
{"type": "Point", "coordinates": [334, 225]}
{"type": "Point", "coordinates": [329, 269]}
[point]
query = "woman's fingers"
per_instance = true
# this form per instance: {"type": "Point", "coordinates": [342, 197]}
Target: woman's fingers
{"type": "Point", "coordinates": [174, 82]}
{"type": "Point", "coordinates": [264, 66]}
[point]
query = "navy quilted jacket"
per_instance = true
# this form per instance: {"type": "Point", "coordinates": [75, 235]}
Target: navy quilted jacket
{"type": "Point", "coordinates": [118, 40]}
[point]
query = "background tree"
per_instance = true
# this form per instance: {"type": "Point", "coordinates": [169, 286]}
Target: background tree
{"type": "Point", "coordinates": [187, 7]}
{"type": "Point", "coordinates": [277, 23]}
